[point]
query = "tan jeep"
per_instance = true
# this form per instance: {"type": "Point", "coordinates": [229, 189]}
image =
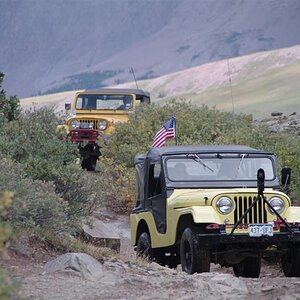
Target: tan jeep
{"type": "Point", "coordinates": [198, 205]}
{"type": "Point", "coordinates": [95, 114]}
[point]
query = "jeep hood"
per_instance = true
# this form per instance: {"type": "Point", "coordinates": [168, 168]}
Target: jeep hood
{"type": "Point", "coordinates": [203, 197]}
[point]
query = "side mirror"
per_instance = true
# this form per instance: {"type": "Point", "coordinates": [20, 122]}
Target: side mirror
{"type": "Point", "coordinates": [67, 106]}
{"type": "Point", "coordinates": [286, 176]}
{"type": "Point", "coordinates": [260, 181]}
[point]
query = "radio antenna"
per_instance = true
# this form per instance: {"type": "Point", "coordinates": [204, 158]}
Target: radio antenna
{"type": "Point", "coordinates": [230, 84]}
{"type": "Point", "coordinates": [132, 71]}
{"type": "Point", "coordinates": [231, 95]}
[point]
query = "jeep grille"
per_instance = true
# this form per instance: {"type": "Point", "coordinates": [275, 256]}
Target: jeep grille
{"type": "Point", "coordinates": [257, 214]}
{"type": "Point", "coordinates": [95, 122]}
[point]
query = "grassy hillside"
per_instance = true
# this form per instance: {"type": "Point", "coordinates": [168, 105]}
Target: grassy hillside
{"type": "Point", "coordinates": [275, 90]}
{"type": "Point", "coordinates": [261, 83]}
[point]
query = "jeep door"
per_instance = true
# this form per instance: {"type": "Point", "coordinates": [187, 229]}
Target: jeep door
{"type": "Point", "coordinates": [156, 195]}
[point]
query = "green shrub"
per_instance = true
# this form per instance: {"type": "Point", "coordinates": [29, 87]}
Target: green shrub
{"type": "Point", "coordinates": [81, 189]}
{"type": "Point", "coordinates": [8, 287]}
{"type": "Point", "coordinates": [10, 108]}
{"type": "Point", "coordinates": [195, 125]}
{"type": "Point", "coordinates": [117, 185]}
{"type": "Point", "coordinates": [5, 230]}
{"type": "Point", "coordinates": [35, 202]}
{"type": "Point", "coordinates": [32, 142]}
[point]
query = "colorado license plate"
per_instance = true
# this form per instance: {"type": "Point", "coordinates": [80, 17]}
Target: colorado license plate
{"type": "Point", "coordinates": [257, 230]}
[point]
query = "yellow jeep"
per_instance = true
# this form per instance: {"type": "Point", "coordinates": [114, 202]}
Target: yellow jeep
{"type": "Point", "coordinates": [94, 116]}
{"type": "Point", "coordinates": [202, 204]}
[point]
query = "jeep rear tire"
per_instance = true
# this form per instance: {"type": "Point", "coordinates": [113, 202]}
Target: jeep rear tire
{"type": "Point", "coordinates": [249, 267]}
{"type": "Point", "coordinates": [144, 249]}
{"type": "Point", "coordinates": [290, 262]}
{"type": "Point", "coordinates": [193, 257]}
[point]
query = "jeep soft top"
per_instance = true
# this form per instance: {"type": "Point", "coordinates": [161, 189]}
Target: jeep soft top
{"type": "Point", "coordinates": [218, 151]}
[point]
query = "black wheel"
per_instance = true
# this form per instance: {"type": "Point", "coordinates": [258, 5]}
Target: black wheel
{"type": "Point", "coordinates": [89, 163]}
{"type": "Point", "coordinates": [89, 156]}
{"type": "Point", "coordinates": [290, 262]}
{"type": "Point", "coordinates": [249, 267]}
{"type": "Point", "coordinates": [193, 257]}
{"type": "Point", "coordinates": [144, 246]}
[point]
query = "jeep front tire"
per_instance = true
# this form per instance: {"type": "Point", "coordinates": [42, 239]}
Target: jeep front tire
{"type": "Point", "coordinates": [193, 257]}
{"type": "Point", "coordinates": [144, 246]}
{"type": "Point", "coordinates": [290, 262]}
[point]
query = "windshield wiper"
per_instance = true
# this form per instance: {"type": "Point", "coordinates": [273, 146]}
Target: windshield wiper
{"type": "Point", "coordinates": [196, 158]}
{"type": "Point", "coordinates": [240, 163]}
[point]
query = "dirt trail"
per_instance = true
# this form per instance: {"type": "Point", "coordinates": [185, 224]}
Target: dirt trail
{"type": "Point", "coordinates": [128, 279]}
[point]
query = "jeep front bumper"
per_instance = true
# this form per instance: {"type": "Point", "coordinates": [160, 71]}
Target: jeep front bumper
{"type": "Point", "coordinates": [81, 135]}
{"type": "Point", "coordinates": [217, 239]}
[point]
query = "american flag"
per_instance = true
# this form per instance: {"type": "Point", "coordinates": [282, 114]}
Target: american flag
{"type": "Point", "coordinates": [167, 131]}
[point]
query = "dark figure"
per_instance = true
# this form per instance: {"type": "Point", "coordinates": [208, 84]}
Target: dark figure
{"type": "Point", "coordinates": [127, 103]}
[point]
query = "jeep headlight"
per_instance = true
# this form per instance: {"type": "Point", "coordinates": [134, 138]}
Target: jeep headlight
{"type": "Point", "coordinates": [225, 205]}
{"type": "Point", "coordinates": [102, 125]}
{"type": "Point", "coordinates": [277, 203]}
{"type": "Point", "coordinates": [75, 124]}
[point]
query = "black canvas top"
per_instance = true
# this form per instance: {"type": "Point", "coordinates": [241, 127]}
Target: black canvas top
{"type": "Point", "coordinates": [121, 91]}
{"type": "Point", "coordinates": [156, 153]}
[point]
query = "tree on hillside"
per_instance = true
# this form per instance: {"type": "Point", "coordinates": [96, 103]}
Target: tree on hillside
{"type": "Point", "coordinates": [10, 107]}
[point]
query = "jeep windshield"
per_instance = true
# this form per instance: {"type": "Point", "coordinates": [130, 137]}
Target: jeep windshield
{"type": "Point", "coordinates": [104, 102]}
{"type": "Point", "coordinates": [218, 167]}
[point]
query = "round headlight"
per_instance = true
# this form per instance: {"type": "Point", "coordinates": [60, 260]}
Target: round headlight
{"type": "Point", "coordinates": [75, 124]}
{"type": "Point", "coordinates": [102, 125]}
{"type": "Point", "coordinates": [277, 203]}
{"type": "Point", "coordinates": [225, 205]}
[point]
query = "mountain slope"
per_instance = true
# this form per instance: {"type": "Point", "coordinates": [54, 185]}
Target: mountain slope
{"type": "Point", "coordinates": [58, 45]}
{"type": "Point", "coordinates": [261, 83]}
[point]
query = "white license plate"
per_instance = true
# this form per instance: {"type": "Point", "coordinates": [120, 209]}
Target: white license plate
{"type": "Point", "coordinates": [256, 230]}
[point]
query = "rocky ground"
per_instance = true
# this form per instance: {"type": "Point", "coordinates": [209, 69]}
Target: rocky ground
{"type": "Point", "coordinates": [124, 277]}
{"type": "Point", "coordinates": [279, 122]}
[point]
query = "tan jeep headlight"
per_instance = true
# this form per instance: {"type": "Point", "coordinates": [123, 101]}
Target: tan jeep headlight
{"type": "Point", "coordinates": [277, 203]}
{"type": "Point", "coordinates": [225, 205]}
{"type": "Point", "coordinates": [75, 124]}
{"type": "Point", "coordinates": [102, 125]}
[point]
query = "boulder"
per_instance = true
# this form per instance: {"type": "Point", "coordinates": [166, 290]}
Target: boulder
{"type": "Point", "coordinates": [97, 233]}
{"type": "Point", "coordinates": [276, 113]}
{"type": "Point", "coordinates": [81, 263]}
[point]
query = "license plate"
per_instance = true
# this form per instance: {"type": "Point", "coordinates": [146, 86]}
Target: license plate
{"type": "Point", "coordinates": [257, 230]}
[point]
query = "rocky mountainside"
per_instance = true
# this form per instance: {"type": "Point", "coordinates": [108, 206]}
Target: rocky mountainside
{"type": "Point", "coordinates": [62, 45]}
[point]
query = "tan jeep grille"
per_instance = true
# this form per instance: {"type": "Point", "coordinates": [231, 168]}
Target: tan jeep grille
{"type": "Point", "coordinates": [95, 122]}
{"type": "Point", "coordinates": [257, 214]}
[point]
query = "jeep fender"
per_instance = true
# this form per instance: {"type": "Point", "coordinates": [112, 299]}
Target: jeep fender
{"type": "Point", "coordinates": [62, 131]}
{"type": "Point", "coordinates": [145, 220]}
{"type": "Point", "coordinates": [292, 214]}
{"type": "Point", "coordinates": [202, 214]}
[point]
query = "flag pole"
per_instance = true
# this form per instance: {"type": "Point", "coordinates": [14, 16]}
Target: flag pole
{"type": "Point", "coordinates": [175, 129]}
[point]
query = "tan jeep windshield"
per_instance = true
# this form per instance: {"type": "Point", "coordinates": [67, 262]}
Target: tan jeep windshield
{"type": "Point", "coordinates": [104, 102]}
{"type": "Point", "coordinates": [193, 167]}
